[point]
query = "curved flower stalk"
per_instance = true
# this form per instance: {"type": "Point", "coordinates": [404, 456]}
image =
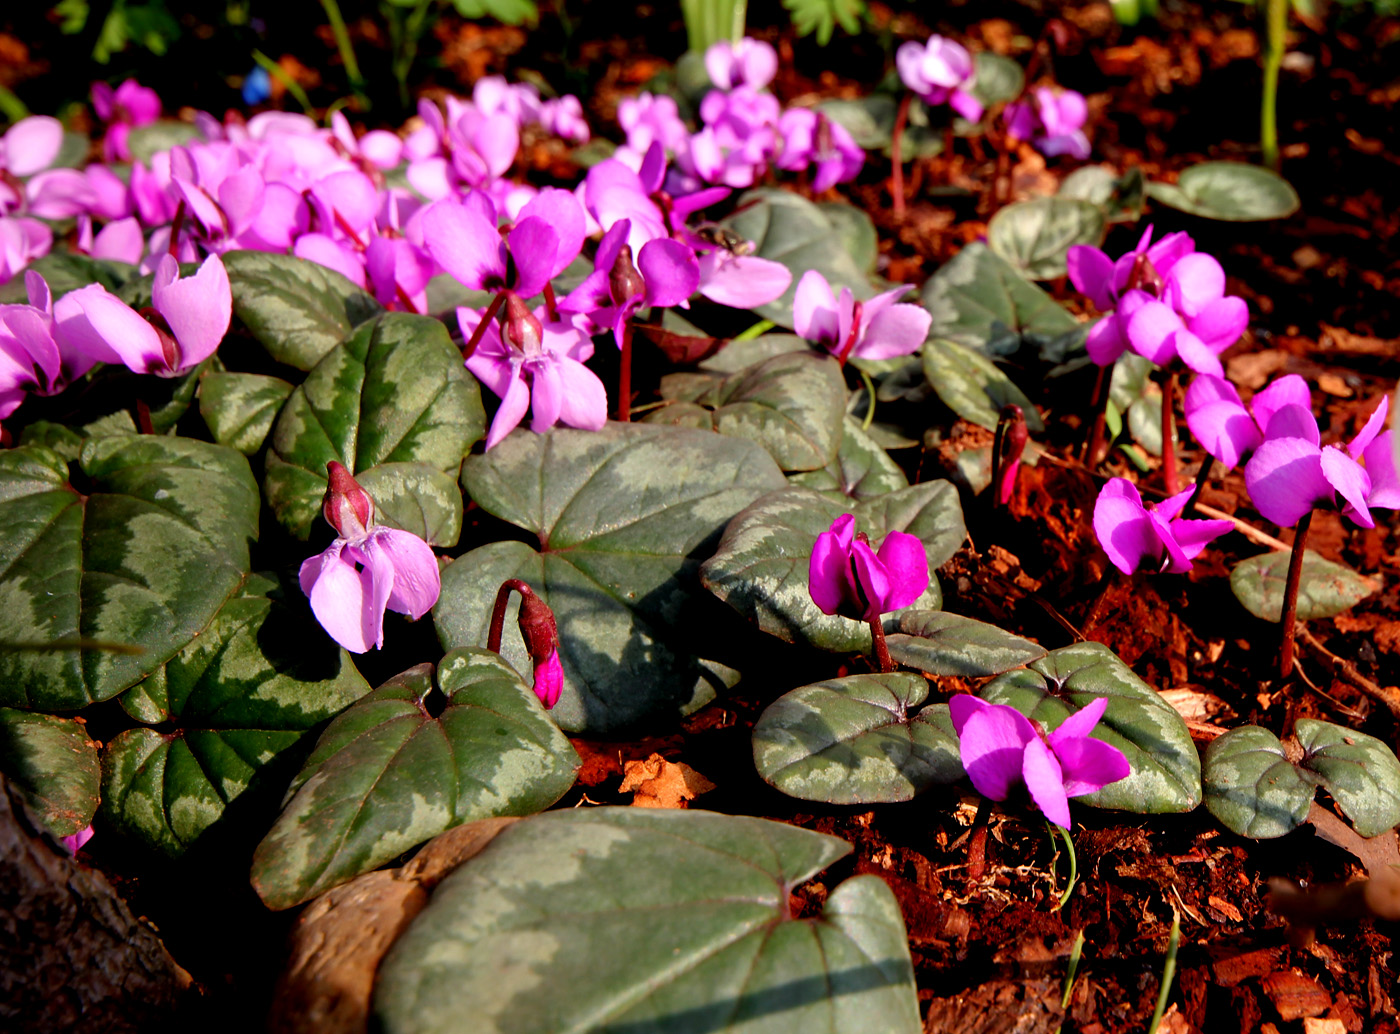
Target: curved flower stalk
{"type": "Point", "coordinates": [1002, 749]}
{"type": "Point", "coordinates": [367, 569]}
{"type": "Point", "coordinates": [1052, 122]}
{"type": "Point", "coordinates": [880, 328]}
{"type": "Point", "coordinates": [1159, 539]}
{"type": "Point", "coordinates": [540, 633]}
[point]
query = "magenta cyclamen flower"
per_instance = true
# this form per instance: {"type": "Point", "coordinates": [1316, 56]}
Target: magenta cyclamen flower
{"type": "Point", "coordinates": [749, 62]}
{"type": "Point", "coordinates": [940, 71]}
{"type": "Point", "coordinates": [666, 273]}
{"type": "Point", "coordinates": [1001, 748]}
{"type": "Point", "coordinates": [1223, 425]}
{"type": "Point", "coordinates": [1292, 473]}
{"type": "Point", "coordinates": [1159, 539]}
{"type": "Point", "coordinates": [847, 577]}
{"type": "Point", "coordinates": [368, 568]}
{"type": "Point", "coordinates": [1053, 122]}
{"type": "Point", "coordinates": [463, 239]}
{"type": "Point", "coordinates": [876, 329]}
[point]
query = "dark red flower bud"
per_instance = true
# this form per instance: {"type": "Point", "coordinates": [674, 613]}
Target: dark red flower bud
{"type": "Point", "coordinates": [522, 328]}
{"type": "Point", "coordinates": [624, 282]}
{"type": "Point", "coordinates": [347, 507]}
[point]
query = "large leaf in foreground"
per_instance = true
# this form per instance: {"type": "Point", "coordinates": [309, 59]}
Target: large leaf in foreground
{"type": "Point", "coordinates": [853, 740]}
{"type": "Point", "coordinates": [54, 763]}
{"type": "Point", "coordinates": [623, 517]}
{"type": "Point", "coordinates": [387, 774]}
{"type": "Point", "coordinates": [122, 577]}
{"type": "Point", "coordinates": [1166, 770]}
{"type": "Point", "coordinates": [233, 700]}
{"type": "Point", "coordinates": [761, 566]}
{"type": "Point", "coordinates": [623, 920]}
{"type": "Point", "coordinates": [1325, 588]}
{"type": "Point", "coordinates": [394, 392]}
{"type": "Point", "coordinates": [1251, 787]}
{"type": "Point", "coordinates": [939, 643]}
{"type": "Point", "coordinates": [299, 310]}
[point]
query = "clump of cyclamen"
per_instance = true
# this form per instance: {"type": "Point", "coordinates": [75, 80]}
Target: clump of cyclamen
{"type": "Point", "coordinates": [1052, 121]}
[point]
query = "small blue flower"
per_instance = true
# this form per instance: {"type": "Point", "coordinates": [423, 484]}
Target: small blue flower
{"type": "Point", "coordinates": [257, 86]}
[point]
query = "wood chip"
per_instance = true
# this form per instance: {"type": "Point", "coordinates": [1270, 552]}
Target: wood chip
{"type": "Point", "coordinates": [658, 783]}
{"type": "Point", "coordinates": [1295, 995]}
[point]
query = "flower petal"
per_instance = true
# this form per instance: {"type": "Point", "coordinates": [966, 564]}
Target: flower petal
{"type": "Point", "coordinates": [1045, 782]}
{"type": "Point", "coordinates": [1087, 765]}
{"type": "Point", "coordinates": [466, 246]}
{"type": "Point", "coordinates": [1123, 528]}
{"type": "Point", "coordinates": [742, 281]}
{"type": "Point", "coordinates": [1151, 330]}
{"type": "Point", "coordinates": [1352, 483]}
{"type": "Point", "coordinates": [198, 308]}
{"type": "Point", "coordinates": [1221, 323]}
{"type": "Point", "coordinates": [814, 310]}
{"type": "Point", "coordinates": [1285, 480]}
{"type": "Point", "coordinates": [828, 571]}
{"type": "Point", "coordinates": [416, 583]}
{"type": "Point", "coordinates": [1080, 723]}
{"type": "Point", "coordinates": [1291, 390]}
{"type": "Point", "coordinates": [670, 270]}
{"type": "Point", "coordinates": [512, 409]}
{"type": "Point", "coordinates": [94, 323]}
{"type": "Point", "coordinates": [1372, 428]}
{"type": "Point", "coordinates": [1091, 272]}
{"type": "Point", "coordinates": [993, 742]}
{"type": "Point", "coordinates": [906, 565]}
{"type": "Point", "coordinates": [1194, 282]}
{"type": "Point", "coordinates": [341, 599]}
{"type": "Point", "coordinates": [898, 330]}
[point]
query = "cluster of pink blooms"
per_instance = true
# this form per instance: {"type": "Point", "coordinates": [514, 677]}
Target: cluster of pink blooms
{"type": "Point", "coordinates": [744, 129]}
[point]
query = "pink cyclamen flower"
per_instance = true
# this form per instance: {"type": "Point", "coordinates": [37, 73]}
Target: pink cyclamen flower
{"type": "Point", "coordinates": [1001, 748]}
{"type": "Point", "coordinates": [1053, 121]}
{"type": "Point", "coordinates": [847, 577]}
{"type": "Point", "coordinates": [1159, 539]}
{"type": "Point", "coordinates": [749, 62]}
{"type": "Point", "coordinates": [1292, 473]}
{"type": "Point", "coordinates": [810, 137]}
{"type": "Point", "coordinates": [129, 105]}
{"type": "Point", "coordinates": [940, 71]}
{"type": "Point", "coordinates": [368, 568]}
{"type": "Point", "coordinates": [1221, 423]}
{"type": "Point", "coordinates": [875, 329]}
{"type": "Point", "coordinates": [73, 842]}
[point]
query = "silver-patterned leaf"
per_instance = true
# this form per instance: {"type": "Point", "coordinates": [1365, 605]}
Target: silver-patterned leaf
{"type": "Point", "coordinates": [1252, 787]}
{"type": "Point", "coordinates": [939, 643]}
{"type": "Point", "coordinates": [1359, 771]}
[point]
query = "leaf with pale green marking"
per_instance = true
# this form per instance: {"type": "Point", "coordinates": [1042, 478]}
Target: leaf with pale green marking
{"type": "Point", "coordinates": [1166, 770]}
{"type": "Point", "coordinates": [66, 271]}
{"type": "Point", "coordinates": [239, 408]}
{"type": "Point", "coordinates": [861, 469]}
{"type": "Point", "coordinates": [973, 386]}
{"type": "Point", "coordinates": [390, 773]}
{"type": "Point", "coordinates": [939, 643]}
{"type": "Point", "coordinates": [1359, 771]}
{"type": "Point", "coordinates": [980, 301]}
{"type": "Point", "coordinates": [870, 121]}
{"type": "Point", "coordinates": [761, 566]}
{"type": "Point", "coordinates": [789, 229]}
{"type": "Point", "coordinates": [997, 79]}
{"type": "Point", "coordinates": [1228, 191]}
{"type": "Point", "coordinates": [623, 517]}
{"type": "Point", "coordinates": [853, 740]}
{"type": "Point", "coordinates": [739, 355]}
{"type": "Point", "coordinates": [1035, 236]}
{"type": "Point", "coordinates": [792, 405]}
{"type": "Point", "coordinates": [55, 765]}
{"type": "Point", "coordinates": [245, 691]}
{"type": "Point", "coordinates": [297, 309]}
{"type": "Point", "coordinates": [623, 920]}
{"type": "Point", "coordinates": [856, 232]}
{"type": "Point", "coordinates": [1120, 197]}
{"type": "Point", "coordinates": [394, 392]}
{"type": "Point", "coordinates": [1252, 788]}
{"type": "Point", "coordinates": [137, 566]}
{"type": "Point", "coordinates": [1325, 588]}
{"type": "Point", "coordinates": [416, 498]}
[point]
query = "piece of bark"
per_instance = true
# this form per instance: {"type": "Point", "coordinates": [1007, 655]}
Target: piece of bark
{"type": "Point", "coordinates": [72, 956]}
{"type": "Point", "coordinates": [341, 936]}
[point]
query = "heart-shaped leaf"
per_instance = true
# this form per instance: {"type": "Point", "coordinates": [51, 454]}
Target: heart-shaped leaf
{"type": "Point", "coordinates": [1120, 197]}
{"type": "Point", "coordinates": [853, 740]}
{"type": "Point", "coordinates": [1325, 588]}
{"type": "Point", "coordinates": [673, 921]}
{"type": "Point", "coordinates": [1229, 191]}
{"type": "Point", "coordinates": [939, 643]}
{"type": "Point", "coordinates": [980, 301]}
{"type": "Point", "coordinates": [416, 498]}
{"type": "Point", "coordinates": [394, 392]}
{"type": "Point", "coordinates": [239, 408]}
{"type": "Point", "coordinates": [1359, 771]}
{"type": "Point", "coordinates": [861, 469]}
{"type": "Point", "coordinates": [972, 386]}
{"type": "Point", "coordinates": [66, 271]}
{"type": "Point", "coordinates": [1252, 788]}
{"type": "Point", "coordinates": [1034, 236]}
{"type": "Point", "coordinates": [54, 763]}
{"type": "Point", "coordinates": [246, 690]}
{"type": "Point", "coordinates": [299, 310]}
{"type": "Point", "coordinates": [623, 517]}
{"type": "Point", "coordinates": [388, 774]}
{"type": "Point", "coordinates": [787, 228]}
{"type": "Point", "coordinates": [741, 354]}
{"type": "Point", "coordinates": [1166, 770]}
{"type": "Point", "coordinates": [996, 79]}
{"type": "Point", "coordinates": [856, 231]}
{"type": "Point", "coordinates": [118, 579]}
{"type": "Point", "coordinates": [761, 566]}
{"type": "Point", "coordinates": [792, 405]}
{"type": "Point", "coordinates": [870, 121]}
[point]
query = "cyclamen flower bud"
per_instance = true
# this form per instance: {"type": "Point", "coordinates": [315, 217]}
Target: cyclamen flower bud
{"type": "Point", "coordinates": [347, 507]}
{"type": "Point", "coordinates": [523, 329]}
{"type": "Point", "coordinates": [624, 282]}
{"type": "Point", "coordinates": [541, 637]}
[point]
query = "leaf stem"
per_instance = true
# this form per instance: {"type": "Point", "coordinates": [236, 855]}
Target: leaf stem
{"type": "Point", "coordinates": [880, 650]}
{"type": "Point", "coordinates": [1202, 476]}
{"type": "Point", "coordinates": [624, 376]}
{"type": "Point", "coordinates": [901, 119]}
{"type": "Point", "coordinates": [1076, 952]}
{"type": "Point", "coordinates": [288, 83]}
{"type": "Point", "coordinates": [1073, 862]}
{"type": "Point", "coordinates": [1290, 595]}
{"type": "Point", "coordinates": [1168, 974]}
{"type": "Point", "coordinates": [1095, 449]}
{"type": "Point", "coordinates": [1276, 18]}
{"type": "Point", "coordinates": [1170, 478]}
{"type": "Point", "coordinates": [347, 50]}
{"type": "Point", "coordinates": [480, 330]}
{"type": "Point", "coordinates": [498, 611]}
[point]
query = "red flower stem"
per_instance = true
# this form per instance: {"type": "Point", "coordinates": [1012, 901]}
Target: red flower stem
{"type": "Point", "coordinates": [977, 841]}
{"type": "Point", "coordinates": [498, 612]}
{"type": "Point", "coordinates": [551, 306]}
{"type": "Point", "coordinates": [881, 650]}
{"type": "Point", "coordinates": [1290, 596]}
{"type": "Point", "coordinates": [901, 119]}
{"type": "Point", "coordinates": [143, 418]}
{"type": "Point", "coordinates": [624, 376]}
{"type": "Point", "coordinates": [1202, 476]}
{"type": "Point", "coordinates": [1169, 474]}
{"type": "Point", "coordinates": [1096, 449]}
{"type": "Point", "coordinates": [475, 339]}
{"type": "Point", "coordinates": [176, 225]}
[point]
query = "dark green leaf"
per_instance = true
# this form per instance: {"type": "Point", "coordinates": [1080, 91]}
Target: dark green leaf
{"type": "Point", "coordinates": [299, 310]}
{"type": "Point", "coordinates": [861, 470]}
{"type": "Point", "coordinates": [54, 763]}
{"type": "Point", "coordinates": [856, 231]}
{"type": "Point", "coordinates": [973, 386]}
{"type": "Point", "coordinates": [1252, 788]}
{"type": "Point", "coordinates": [870, 121]}
{"type": "Point", "coordinates": [239, 408]}
{"type": "Point", "coordinates": [1035, 236]}
{"type": "Point", "coordinates": [394, 392]}
{"type": "Point", "coordinates": [853, 740]}
{"type": "Point", "coordinates": [1325, 588]}
{"type": "Point", "coordinates": [761, 566]}
{"type": "Point", "coordinates": [1228, 191]}
{"type": "Point", "coordinates": [1166, 770]}
{"type": "Point", "coordinates": [940, 643]}
{"type": "Point", "coordinates": [739, 355]}
{"type": "Point", "coordinates": [416, 498]}
{"type": "Point", "coordinates": [386, 775]}
{"type": "Point", "coordinates": [1359, 771]}
{"type": "Point", "coordinates": [644, 920]}
{"type": "Point", "coordinates": [623, 517]}
{"type": "Point", "coordinates": [66, 271]}
{"type": "Point", "coordinates": [143, 561]}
